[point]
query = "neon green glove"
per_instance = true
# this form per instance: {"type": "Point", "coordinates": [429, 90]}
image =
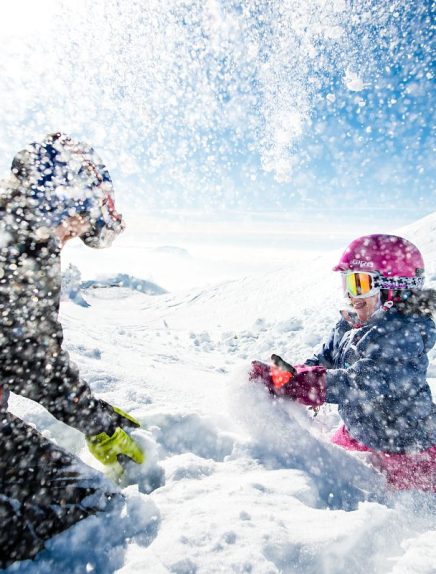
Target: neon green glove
{"type": "Point", "coordinates": [107, 448]}
{"type": "Point", "coordinates": [113, 449]}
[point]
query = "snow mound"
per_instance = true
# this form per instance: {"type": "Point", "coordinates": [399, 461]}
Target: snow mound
{"type": "Point", "coordinates": [171, 250]}
{"type": "Point", "coordinates": [285, 435]}
{"type": "Point", "coordinates": [124, 280]}
{"type": "Point", "coordinates": [70, 288]}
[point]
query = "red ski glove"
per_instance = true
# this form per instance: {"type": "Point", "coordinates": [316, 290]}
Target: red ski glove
{"type": "Point", "coordinates": [262, 372]}
{"type": "Point", "coordinates": [307, 386]}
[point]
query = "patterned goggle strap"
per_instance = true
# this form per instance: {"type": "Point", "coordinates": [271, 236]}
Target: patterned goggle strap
{"type": "Point", "coordinates": [401, 283]}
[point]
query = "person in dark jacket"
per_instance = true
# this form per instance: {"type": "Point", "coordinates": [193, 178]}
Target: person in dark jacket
{"type": "Point", "coordinates": [58, 189]}
{"type": "Point", "coordinates": [374, 364]}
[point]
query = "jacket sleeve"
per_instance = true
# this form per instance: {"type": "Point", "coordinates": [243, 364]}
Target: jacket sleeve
{"type": "Point", "coordinates": [324, 358]}
{"type": "Point", "coordinates": [32, 361]}
{"type": "Point", "coordinates": [52, 379]}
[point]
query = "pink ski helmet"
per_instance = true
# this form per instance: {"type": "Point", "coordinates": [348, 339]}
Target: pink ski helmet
{"type": "Point", "coordinates": [389, 255]}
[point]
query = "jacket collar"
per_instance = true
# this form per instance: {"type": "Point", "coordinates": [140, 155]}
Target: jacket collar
{"type": "Point", "coordinates": [353, 320]}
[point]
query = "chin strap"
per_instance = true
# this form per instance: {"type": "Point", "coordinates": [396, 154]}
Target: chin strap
{"type": "Point", "coordinates": [389, 303]}
{"type": "Point", "coordinates": [395, 298]}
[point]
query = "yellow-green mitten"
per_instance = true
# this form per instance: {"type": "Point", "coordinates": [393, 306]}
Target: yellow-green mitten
{"type": "Point", "coordinates": [107, 448]}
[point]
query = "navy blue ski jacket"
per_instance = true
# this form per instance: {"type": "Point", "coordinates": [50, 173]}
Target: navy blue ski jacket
{"type": "Point", "coordinates": [376, 374]}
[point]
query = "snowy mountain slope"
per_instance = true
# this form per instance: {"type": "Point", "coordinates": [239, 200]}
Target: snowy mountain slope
{"type": "Point", "coordinates": [423, 233]}
{"type": "Point", "coordinates": [251, 485]}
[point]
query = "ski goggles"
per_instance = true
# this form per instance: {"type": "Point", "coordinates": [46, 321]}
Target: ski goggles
{"type": "Point", "coordinates": [361, 285]}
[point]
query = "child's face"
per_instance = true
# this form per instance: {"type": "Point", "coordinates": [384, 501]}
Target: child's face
{"type": "Point", "coordinates": [364, 307]}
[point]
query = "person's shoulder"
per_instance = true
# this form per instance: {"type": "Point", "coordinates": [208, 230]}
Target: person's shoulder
{"type": "Point", "coordinates": [409, 320]}
{"type": "Point", "coordinates": [400, 326]}
{"type": "Point", "coordinates": [394, 320]}
{"type": "Point", "coordinates": [12, 195]}
{"type": "Point", "coordinates": [387, 322]}
{"type": "Point", "coordinates": [427, 329]}
{"type": "Point", "coordinates": [5, 191]}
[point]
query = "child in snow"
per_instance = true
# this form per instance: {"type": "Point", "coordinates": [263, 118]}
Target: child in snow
{"type": "Point", "coordinates": [58, 189]}
{"type": "Point", "coordinates": [374, 364]}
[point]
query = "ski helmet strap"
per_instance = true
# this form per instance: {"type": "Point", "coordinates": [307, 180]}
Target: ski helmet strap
{"type": "Point", "coordinates": [389, 303]}
{"type": "Point", "coordinates": [395, 283]}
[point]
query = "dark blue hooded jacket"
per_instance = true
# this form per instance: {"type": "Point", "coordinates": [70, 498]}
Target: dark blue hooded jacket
{"type": "Point", "coordinates": [376, 374]}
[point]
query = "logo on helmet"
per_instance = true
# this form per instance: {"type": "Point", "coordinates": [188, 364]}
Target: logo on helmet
{"type": "Point", "coordinates": [360, 263]}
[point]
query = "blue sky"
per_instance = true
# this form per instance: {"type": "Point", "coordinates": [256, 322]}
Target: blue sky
{"type": "Point", "coordinates": [294, 105]}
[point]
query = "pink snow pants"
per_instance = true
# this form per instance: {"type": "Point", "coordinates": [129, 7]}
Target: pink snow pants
{"type": "Point", "coordinates": [402, 471]}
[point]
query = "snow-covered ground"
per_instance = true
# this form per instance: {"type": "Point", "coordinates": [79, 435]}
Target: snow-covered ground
{"type": "Point", "coordinates": [251, 485]}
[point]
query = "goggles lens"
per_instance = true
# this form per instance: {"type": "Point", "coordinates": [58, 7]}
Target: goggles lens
{"type": "Point", "coordinates": [360, 284]}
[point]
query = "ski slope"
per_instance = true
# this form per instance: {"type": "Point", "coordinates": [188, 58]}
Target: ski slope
{"type": "Point", "coordinates": [251, 485]}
